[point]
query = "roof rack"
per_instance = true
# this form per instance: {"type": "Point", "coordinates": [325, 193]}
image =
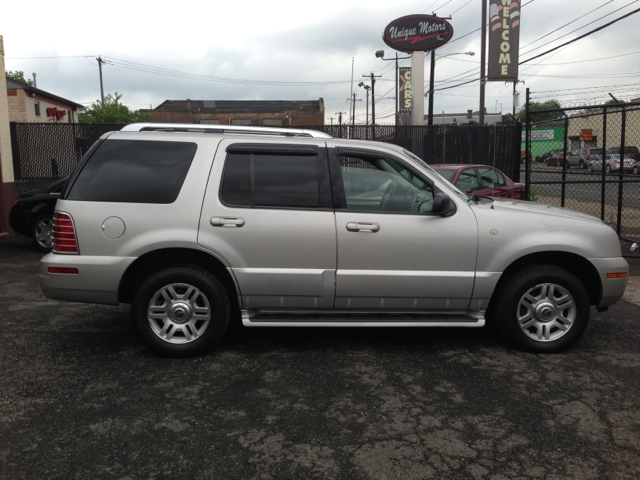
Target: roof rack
{"type": "Point", "coordinates": [200, 128]}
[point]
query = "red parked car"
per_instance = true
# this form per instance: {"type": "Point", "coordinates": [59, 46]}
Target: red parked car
{"type": "Point", "coordinates": [481, 179]}
{"type": "Point", "coordinates": [555, 160]}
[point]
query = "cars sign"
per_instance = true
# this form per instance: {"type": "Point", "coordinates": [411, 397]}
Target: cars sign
{"type": "Point", "coordinates": [415, 33]}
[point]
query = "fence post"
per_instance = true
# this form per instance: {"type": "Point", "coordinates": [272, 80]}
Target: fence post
{"type": "Point", "coordinates": [620, 183]}
{"type": "Point", "coordinates": [603, 173]}
{"type": "Point", "coordinates": [564, 160]}
{"type": "Point", "coordinates": [527, 147]}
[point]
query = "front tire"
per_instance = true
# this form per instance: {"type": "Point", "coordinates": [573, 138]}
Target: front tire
{"type": "Point", "coordinates": [542, 309]}
{"type": "Point", "coordinates": [590, 168]}
{"type": "Point", "coordinates": [582, 165]}
{"type": "Point", "coordinates": [180, 311]}
{"type": "Point", "coordinates": [608, 169]}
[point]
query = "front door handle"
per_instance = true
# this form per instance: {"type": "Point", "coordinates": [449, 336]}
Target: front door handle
{"type": "Point", "coordinates": [234, 222]}
{"type": "Point", "coordinates": [363, 227]}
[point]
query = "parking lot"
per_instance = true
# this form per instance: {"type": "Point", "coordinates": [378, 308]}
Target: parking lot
{"type": "Point", "coordinates": [80, 397]}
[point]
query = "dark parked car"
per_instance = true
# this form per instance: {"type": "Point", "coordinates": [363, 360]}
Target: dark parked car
{"type": "Point", "coordinates": [32, 214]}
{"type": "Point", "coordinates": [481, 179]}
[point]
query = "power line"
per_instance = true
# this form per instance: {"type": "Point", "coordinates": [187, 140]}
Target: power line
{"type": "Point", "coordinates": [451, 14]}
{"type": "Point", "coordinates": [587, 88]}
{"type": "Point", "coordinates": [590, 60]}
{"type": "Point", "coordinates": [566, 24]}
{"type": "Point", "coordinates": [579, 28]}
{"type": "Point", "coordinates": [583, 36]}
{"type": "Point", "coordinates": [194, 76]}
{"type": "Point", "coordinates": [57, 56]}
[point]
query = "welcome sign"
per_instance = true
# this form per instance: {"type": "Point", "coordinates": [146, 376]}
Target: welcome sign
{"type": "Point", "coordinates": [504, 39]}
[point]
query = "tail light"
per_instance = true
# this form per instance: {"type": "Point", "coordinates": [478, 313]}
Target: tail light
{"type": "Point", "coordinates": [588, 157]}
{"type": "Point", "coordinates": [64, 234]}
{"type": "Point", "coordinates": [15, 202]}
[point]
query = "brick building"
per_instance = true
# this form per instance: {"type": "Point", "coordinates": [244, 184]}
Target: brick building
{"type": "Point", "coordinates": [274, 113]}
{"type": "Point", "coordinates": [30, 104]}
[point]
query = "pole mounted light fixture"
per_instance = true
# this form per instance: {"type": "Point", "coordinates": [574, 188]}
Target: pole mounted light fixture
{"type": "Point", "coordinates": [380, 55]}
{"type": "Point", "coordinates": [432, 79]}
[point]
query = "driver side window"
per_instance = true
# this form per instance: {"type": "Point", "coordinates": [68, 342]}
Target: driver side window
{"type": "Point", "coordinates": [381, 184]}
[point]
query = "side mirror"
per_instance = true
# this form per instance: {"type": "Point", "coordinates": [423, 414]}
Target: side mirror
{"type": "Point", "coordinates": [443, 205]}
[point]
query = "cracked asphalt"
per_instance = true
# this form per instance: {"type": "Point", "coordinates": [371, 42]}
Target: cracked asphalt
{"type": "Point", "coordinates": [81, 398]}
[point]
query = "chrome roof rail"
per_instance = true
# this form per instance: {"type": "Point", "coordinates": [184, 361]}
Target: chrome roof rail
{"type": "Point", "coordinates": [237, 129]}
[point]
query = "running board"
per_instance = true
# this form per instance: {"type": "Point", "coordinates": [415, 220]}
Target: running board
{"type": "Point", "coordinates": [257, 318]}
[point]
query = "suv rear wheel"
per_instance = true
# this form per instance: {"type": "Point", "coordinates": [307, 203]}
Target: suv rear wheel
{"type": "Point", "coordinates": [181, 311]}
{"type": "Point", "coordinates": [542, 309]}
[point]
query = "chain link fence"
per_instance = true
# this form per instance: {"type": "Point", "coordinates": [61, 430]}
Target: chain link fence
{"type": "Point", "coordinates": [587, 159]}
{"type": "Point", "coordinates": [497, 145]}
{"type": "Point", "coordinates": [46, 152]}
{"type": "Point", "coordinates": [43, 152]}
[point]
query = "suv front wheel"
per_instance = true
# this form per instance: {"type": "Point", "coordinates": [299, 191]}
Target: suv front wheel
{"type": "Point", "coordinates": [542, 309]}
{"type": "Point", "coordinates": [180, 311]}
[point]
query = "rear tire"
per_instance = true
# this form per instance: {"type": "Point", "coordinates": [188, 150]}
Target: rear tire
{"type": "Point", "coordinates": [542, 309]}
{"type": "Point", "coordinates": [635, 170]}
{"type": "Point", "coordinates": [41, 232]}
{"type": "Point", "coordinates": [180, 311]}
{"type": "Point", "coordinates": [582, 165]}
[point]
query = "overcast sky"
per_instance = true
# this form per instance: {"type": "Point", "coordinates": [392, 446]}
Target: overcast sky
{"type": "Point", "coordinates": [296, 41]}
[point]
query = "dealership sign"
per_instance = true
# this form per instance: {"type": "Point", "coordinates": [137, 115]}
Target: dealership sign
{"type": "Point", "coordinates": [417, 33]}
{"type": "Point", "coordinates": [406, 90]}
{"type": "Point", "coordinates": [504, 39]}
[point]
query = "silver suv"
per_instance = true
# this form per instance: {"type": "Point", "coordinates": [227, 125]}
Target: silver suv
{"type": "Point", "coordinates": [190, 223]}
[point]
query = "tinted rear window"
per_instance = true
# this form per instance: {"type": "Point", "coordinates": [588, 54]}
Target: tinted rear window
{"type": "Point", "coordinates": [278, 181]}
{"type": "Point", "coordinates": [134, 171]}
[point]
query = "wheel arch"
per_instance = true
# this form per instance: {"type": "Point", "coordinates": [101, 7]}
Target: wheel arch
{"type": "Point", "coordinates": [573, 263]}
{"type": "Point", "coordinates": [157, 260]}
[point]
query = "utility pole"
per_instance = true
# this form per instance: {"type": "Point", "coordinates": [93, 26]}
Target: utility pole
{"type": "Point", "coordinates": [373, 96]}
{"type": "Point", "coordinates": [100, 62]}
{"type": "Point", "coordinates": [483, 51]}
{"type": "Point", "coordinates": [353, 115]}
{"type": "Point", "coordinates": [340, 117]}
{"type": "Point", "coordinates": [431, 87]}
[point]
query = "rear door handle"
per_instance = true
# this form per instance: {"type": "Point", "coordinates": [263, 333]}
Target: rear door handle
{"type": "Point", "coordinates": [233, 222]}
{"type": "Point", "coordinates": [363, 227]}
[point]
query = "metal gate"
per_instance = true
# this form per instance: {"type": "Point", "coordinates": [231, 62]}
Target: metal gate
{"type": "Point", "coordinates": [587, 159]}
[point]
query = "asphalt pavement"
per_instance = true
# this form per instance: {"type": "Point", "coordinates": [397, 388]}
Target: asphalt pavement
{"type": "Point", "coordinates": [81, 398]}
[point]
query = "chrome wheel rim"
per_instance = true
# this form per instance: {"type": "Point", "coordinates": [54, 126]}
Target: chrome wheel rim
{"type": "Point", "coordinates": [179, 313]}
{"type": "Point", "coordinates": [43, 232]}
{"type": "Point", "coordinates": [546, 312]}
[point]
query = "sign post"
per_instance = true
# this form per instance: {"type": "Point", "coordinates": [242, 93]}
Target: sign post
{"type": "Point", "coordinates": [417, 34]}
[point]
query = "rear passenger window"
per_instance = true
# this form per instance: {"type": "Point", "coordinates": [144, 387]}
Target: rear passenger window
{"type": "Point", "coordinates": [264, 180]}
{"type": "Point", "coordinates": [134, 171]}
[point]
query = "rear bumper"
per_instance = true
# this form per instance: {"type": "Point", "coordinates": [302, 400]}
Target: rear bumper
{"type": "Point", "coordinates": [612, 288]}
{"type": "Point", "coordinates": [97, 281]}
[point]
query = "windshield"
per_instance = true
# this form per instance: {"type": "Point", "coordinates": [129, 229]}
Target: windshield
{"type": "Point", "coordinates": [426, 166]}
{"type": "Point", "coordinates": [448, 174]}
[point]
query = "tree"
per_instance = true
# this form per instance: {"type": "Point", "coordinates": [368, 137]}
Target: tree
{"type": "Point", "coordinates": [114, 112]}
{"type": "Point", "coordinates": [540, 117]}
{"type": "Point", "coordinates": [18, 76]}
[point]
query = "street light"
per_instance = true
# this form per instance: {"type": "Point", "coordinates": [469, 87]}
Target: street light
{"type": "Point", "coordinates": [367, 88]}
{"type": "Point", "coordinates": [380, 55]}
{"type": "Point", "coordinates": [431, 80]}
